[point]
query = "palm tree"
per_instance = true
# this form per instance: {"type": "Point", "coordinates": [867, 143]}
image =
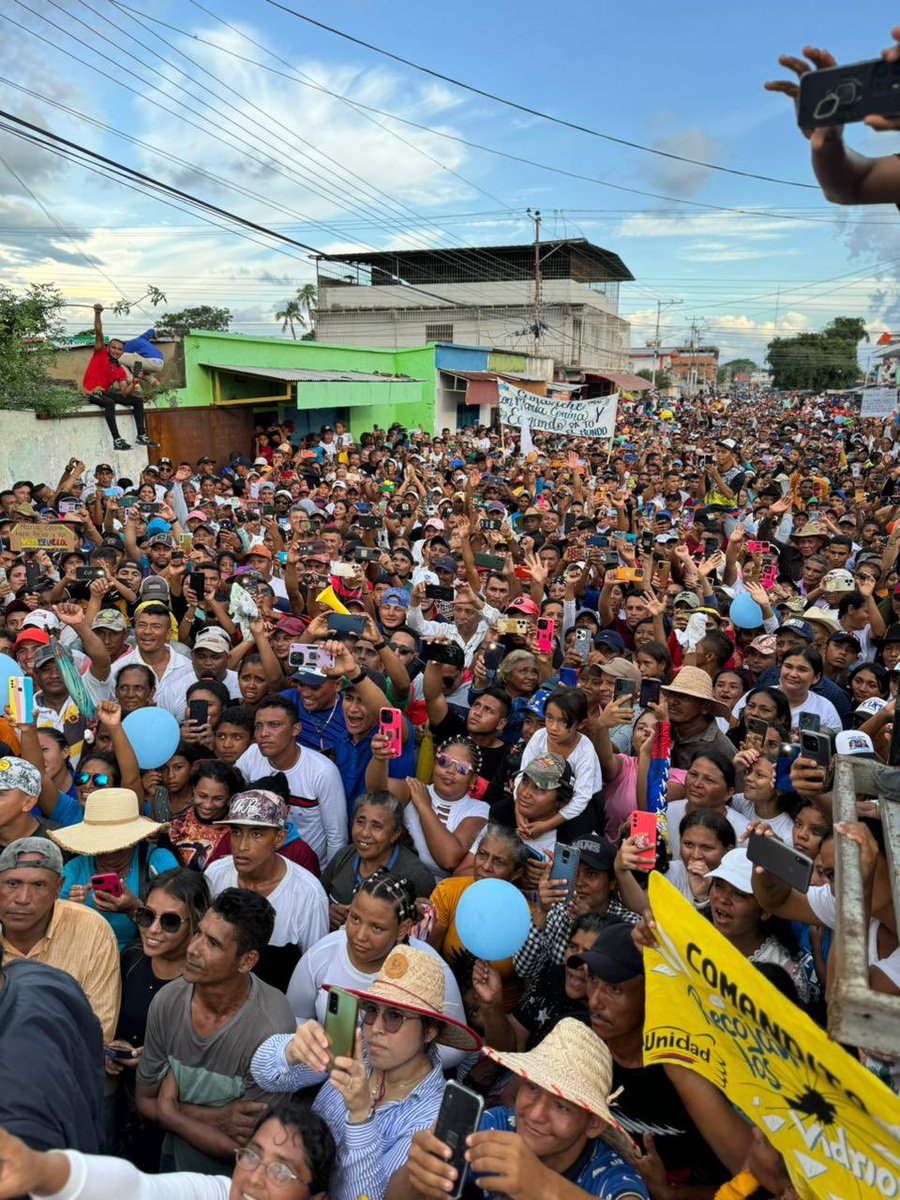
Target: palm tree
{"type": "Point", "coordinates": [291, 312]}
{"type": "Point", "coordinates": [306, 297]}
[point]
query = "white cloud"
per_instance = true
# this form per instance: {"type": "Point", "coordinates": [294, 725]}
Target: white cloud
{"type": "Point", "coordinates": [738, 226]}
{"type": "Point", "coordinates": [681, 178]}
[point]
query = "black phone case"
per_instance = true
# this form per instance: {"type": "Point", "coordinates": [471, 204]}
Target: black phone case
{"type": "Point", "coordinates": [845, 94]}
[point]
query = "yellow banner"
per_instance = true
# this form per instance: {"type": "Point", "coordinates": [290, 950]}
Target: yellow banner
{"type": "Point", "coordinates": [709, 1009]}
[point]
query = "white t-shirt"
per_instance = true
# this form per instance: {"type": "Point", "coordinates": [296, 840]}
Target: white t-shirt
{"type": "Point", "coordinates": [584, 763]}
{"type": "Point", "coordinates": [829, 716]}
{"type": "Point", "coordinates": [451, 814]}
{"type": "Point", "coordinates": [299, 900]}
{"type": "Point", "coordinates": [327, 962]}
{"type": "Point", "coordinates": [675, 811]}
{"type": "Point", "coordinates": [318, 803]}
{"type": "Point", "coordinates": [783, 823]}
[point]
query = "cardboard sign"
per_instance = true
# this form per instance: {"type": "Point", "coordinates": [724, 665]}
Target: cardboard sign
{"type": "Point", "coordinates": [32, 535]}
{"type": "Point", "coordinates": [710, 1010]}
{"type": "Point", "coordinates": [878, 402]}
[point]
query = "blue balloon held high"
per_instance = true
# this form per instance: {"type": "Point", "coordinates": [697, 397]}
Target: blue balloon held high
{"type": "Point", "coordinates": [154, 734]}
{"type": "Point", "coordinates": [745, 613]}
{"type": "Point", "coordinates": [492, 919]}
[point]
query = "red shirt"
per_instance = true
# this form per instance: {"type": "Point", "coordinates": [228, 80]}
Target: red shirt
{"type": "Point", "coordinates": [102, 372]}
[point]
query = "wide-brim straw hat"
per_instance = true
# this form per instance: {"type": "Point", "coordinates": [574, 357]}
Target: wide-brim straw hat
{"type": "Point", "coordinates": [812, 529]}
{"type": "Point", "coordinates": [112, 821]}
{"type": "Point", "coordinates": [576, 1065]}
{"type": "Point", "coordinates": [694, 681]}
{"type": "Point", "coordinates": [413, 980]}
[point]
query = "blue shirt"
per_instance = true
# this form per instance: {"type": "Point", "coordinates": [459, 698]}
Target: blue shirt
{"type": "Point", "coordinates": [600, 1171]}
{"type": "Point", "coordinates": [141, 345]}
{"type": "Point", "coordinates": [79, 870]}
{"type": "Point", "coordinates": [326, 731]}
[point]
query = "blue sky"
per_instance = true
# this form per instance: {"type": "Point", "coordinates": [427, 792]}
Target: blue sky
{"type": "Point", "coordinates": [687, 79]}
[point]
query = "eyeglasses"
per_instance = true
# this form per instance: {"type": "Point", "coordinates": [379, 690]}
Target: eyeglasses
{"type": "Point", "coordinates": [278, 1173]}
{"type": "Point", "coordinates": [391, 1018]}
{"type": "Point", "coordinates": [404, 650]}
{"type": "Point", "coordinates": [169, 922]}
{"type": "Point", "coordinates": [446, 763]}
{"type": "Point", "coordinates": [84, 777]}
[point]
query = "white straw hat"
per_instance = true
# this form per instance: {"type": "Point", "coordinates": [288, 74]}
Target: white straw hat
{"type": "Point", "coordinates": [112, 821]}
{"type": "Point", "coordinates": [695, 682]}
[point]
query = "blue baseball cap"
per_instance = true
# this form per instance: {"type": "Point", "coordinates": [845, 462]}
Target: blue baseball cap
{"type": "Point", "coordinates": [395, 595]}
{"type": "Point", "coordinates": [538, 702]}
{"type": "Point", "coordinates": [610, 639]}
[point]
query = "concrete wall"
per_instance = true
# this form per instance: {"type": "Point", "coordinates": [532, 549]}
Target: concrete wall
{"type": "Point", "coordinates": [501, 293]}
{"type": "Point", "coordinates": [39, 450]}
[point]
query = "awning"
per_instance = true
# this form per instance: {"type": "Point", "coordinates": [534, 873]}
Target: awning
{"type": "Point", "coordinates": [623, 381]}
{"type": "Point", "coordinates": [301, 375]}
{"type": "Point", "coordinates": [481, 386]}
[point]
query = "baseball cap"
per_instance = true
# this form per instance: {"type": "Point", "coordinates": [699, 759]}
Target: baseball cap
{"type": "Point", "coordinates": [166, 462]}
{"type": "Point", "coordinates": [845, 636]}
{"type": "Point", "coordinates": [212, 638]}
{"type": "Point", "coordinates": [892, 634]}
{"type": "Point", "coordinates": [434, 523]}
{"type": "Point", "coordinates": [614, 957]}
{"type": "Point", "coordinates": [621, 668]}
{"type": "Point", "coordinates": [154, 587]}
{"type": "Point", "coordinates": [197, 514]}
{"type": "Point", "coordinates": [110, 618]}
{"type": "Point", "coordinates": [854, 741]}
{"type": "Point", "coordinates": [611, 640]}
{"type": "Point", "coordinates": [802, 629]}
{"type": "Point", "coordinates": [42, 619]}
{"type": "Point", "coordinates": [162, 539]}
{"type": "Point", "coordinates": [537, 703]}
{"type": "Point", "coordinates": [548, 771]}
{"type": "Point", "coordinates": [31, 634]}
{"type": "Point", "coordinates": [17, 773]}
{"type": "Point", "coordinates": [307, 678]}
{"type": "Point", "coordinates": [396, 596]}
{"type": "Point", "coordinates": [838, 580]}
{"type": "Point", "coordinates": [596, 852]}
{"type": "Point", "coordinates": [103, 467]}
{"type": "Point", "coordinates": [42, 851]}
{"type": "Point", "coordinates": [292, 626]}
{"type": "Point", "coordinates": [736, 869]}
{"type": "Point", "coordinates": [728, 443]}
{"type": "Point", "coordinates": [444, 564]}
{"type": "Point", "coordinates": [42, 656]}
{"type": "Point", "coordinates": [691, 599]}
{"type": "Point", "coordinates": [256, 807]}
{"type": "Point", "coordinates": [764, 644]}
{"type": "Point", "coordinates": [522, 604]}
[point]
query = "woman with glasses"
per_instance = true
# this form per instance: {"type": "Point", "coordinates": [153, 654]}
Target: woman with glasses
{"type": "Point", "coordinates": [391, 1087]}
{"type": "Point", "coordinates": [380, 917]}
{"type": "Point", "coordinates": [441, 818]}
{"type": "Point", "coordinates": [166, 922]}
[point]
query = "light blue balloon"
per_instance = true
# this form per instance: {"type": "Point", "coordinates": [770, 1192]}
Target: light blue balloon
{"type": "Point", "coordinates": [8, 669]}
{"type": "Point", "coordinates": [493, 919]}
{"type": "Point", "coordinates": [745, 613]}
{"type": "Point", "coordinates": [154, 735]}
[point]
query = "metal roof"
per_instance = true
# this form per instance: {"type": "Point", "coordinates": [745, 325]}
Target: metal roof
{"type": "Point", "coordinates": [628, 383]}
{"type": "Point", "coordinates": [305, 375]}
{"type": "Point", "coordinates": [484, 376]}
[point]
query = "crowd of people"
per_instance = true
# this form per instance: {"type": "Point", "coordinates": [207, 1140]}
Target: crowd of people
{"type": "Point", "coordinates": [403, 663]}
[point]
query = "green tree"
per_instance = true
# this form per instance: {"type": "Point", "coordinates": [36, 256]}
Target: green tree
{"type": "Point", "coordinates": [818, 361]}
{"type": "Point", "coordinates": [663, 380]}
{"type": "Point", "coordinates": [204, 316]}
{"type": "Point", "coordinates": [30, 324]}
{"type": "Point", "coordinates": [291, 312]}
{"type": "Point", "coordinates": [308, 297]}
{"type": "Point", "coordinates": [737, 366]}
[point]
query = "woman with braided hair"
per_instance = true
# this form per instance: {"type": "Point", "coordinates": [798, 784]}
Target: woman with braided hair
{"type": "Point", "coordinates": [382, 913]}
{"type": "Point", "coordinates": [442, 819]}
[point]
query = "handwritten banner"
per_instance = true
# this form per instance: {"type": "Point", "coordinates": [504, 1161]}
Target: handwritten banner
{"type": "Point", "coordinates": [878, 402]}
{"type": "Point", "coordinates": [708, 1009]}
{"type": "Point", "coordinates": [577, 418]}
{"type": "Point", "coordinates": [31, 535]}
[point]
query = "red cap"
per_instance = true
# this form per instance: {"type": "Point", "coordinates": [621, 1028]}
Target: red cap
{"type": "Point", "coordinates": [32, 634]}
{"type": "Point", "coordinates": [523, 604]}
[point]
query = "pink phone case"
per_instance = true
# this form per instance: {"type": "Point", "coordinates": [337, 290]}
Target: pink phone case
{"type": "Point", "coordinates": [644, 823]}
{"type": "Point", "coordinates": [546, 635]}
{"type": "Point", "coordinates": [391, 727]}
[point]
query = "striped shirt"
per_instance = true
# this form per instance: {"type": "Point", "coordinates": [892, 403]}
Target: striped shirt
{"type": "Point", "coordinates": [81, 942]}
{"type": "Point", "coordinates": [369, 1153]}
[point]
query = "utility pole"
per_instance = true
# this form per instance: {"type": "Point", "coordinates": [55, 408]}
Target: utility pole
{"type": "Point", "coordinates": [536, 314]}
{"type": "Point", "coordinates": [692, 376]}
{"type": "Point", "coordinates": [660, 304]}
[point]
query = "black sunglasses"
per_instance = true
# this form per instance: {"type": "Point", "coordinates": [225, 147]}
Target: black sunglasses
{"type": "Point", "coordinates": [169, 922]}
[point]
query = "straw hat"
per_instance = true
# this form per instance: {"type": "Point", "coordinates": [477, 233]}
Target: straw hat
{"type": "Point", "coordinates": [693, 681]}
{"type": "Point", "coordinates": [112, 821]}
{"type": "Point", "coordinates": [573, 1063]}
{"type": "Point", "coordinates": [812, 529]}
{"type": "Point", "coordinates": [413, 980]}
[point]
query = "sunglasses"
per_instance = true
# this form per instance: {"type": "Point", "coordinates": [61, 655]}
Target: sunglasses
{"type": "Point", "coordinates": [405, 650]}
{"type": "Point", "coordinates": [391, 1018]}
{"type": "Point", "coordinates": [169, 922]}
{"type": "Point", "coordinates": [446, 763]}
{"type": "Point", "coordinates": [84, 777]}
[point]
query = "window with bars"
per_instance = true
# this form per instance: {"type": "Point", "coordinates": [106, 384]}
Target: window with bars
{"type": "Point", "coordinates": [439, 333]}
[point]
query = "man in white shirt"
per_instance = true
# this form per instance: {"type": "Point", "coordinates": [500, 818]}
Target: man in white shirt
{"type": "Point", "coordinates": [318, 803]}
{"type": "Point", "coordinates": [174, 673]}
{"type": "Point", "coordinates": [258, 822]}
{"type": "Point", "coordinates": [472, 618]}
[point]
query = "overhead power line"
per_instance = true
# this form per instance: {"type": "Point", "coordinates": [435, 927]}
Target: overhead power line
{"type": "Point", "coordinates": [532, 112]}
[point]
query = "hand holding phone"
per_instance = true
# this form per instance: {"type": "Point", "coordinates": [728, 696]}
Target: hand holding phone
{"type": "Point", "coordinates": [109, 882]}
{"type": "Point", "coordinates": [643, 827]}
{"type": "Point", "coordinates": [391, 729]}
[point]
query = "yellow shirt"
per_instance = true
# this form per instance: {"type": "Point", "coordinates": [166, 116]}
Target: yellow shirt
{"type": "Point", "coordinates": [81, 942]}
{"type": "Point", "coordinates": [445, 898]}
